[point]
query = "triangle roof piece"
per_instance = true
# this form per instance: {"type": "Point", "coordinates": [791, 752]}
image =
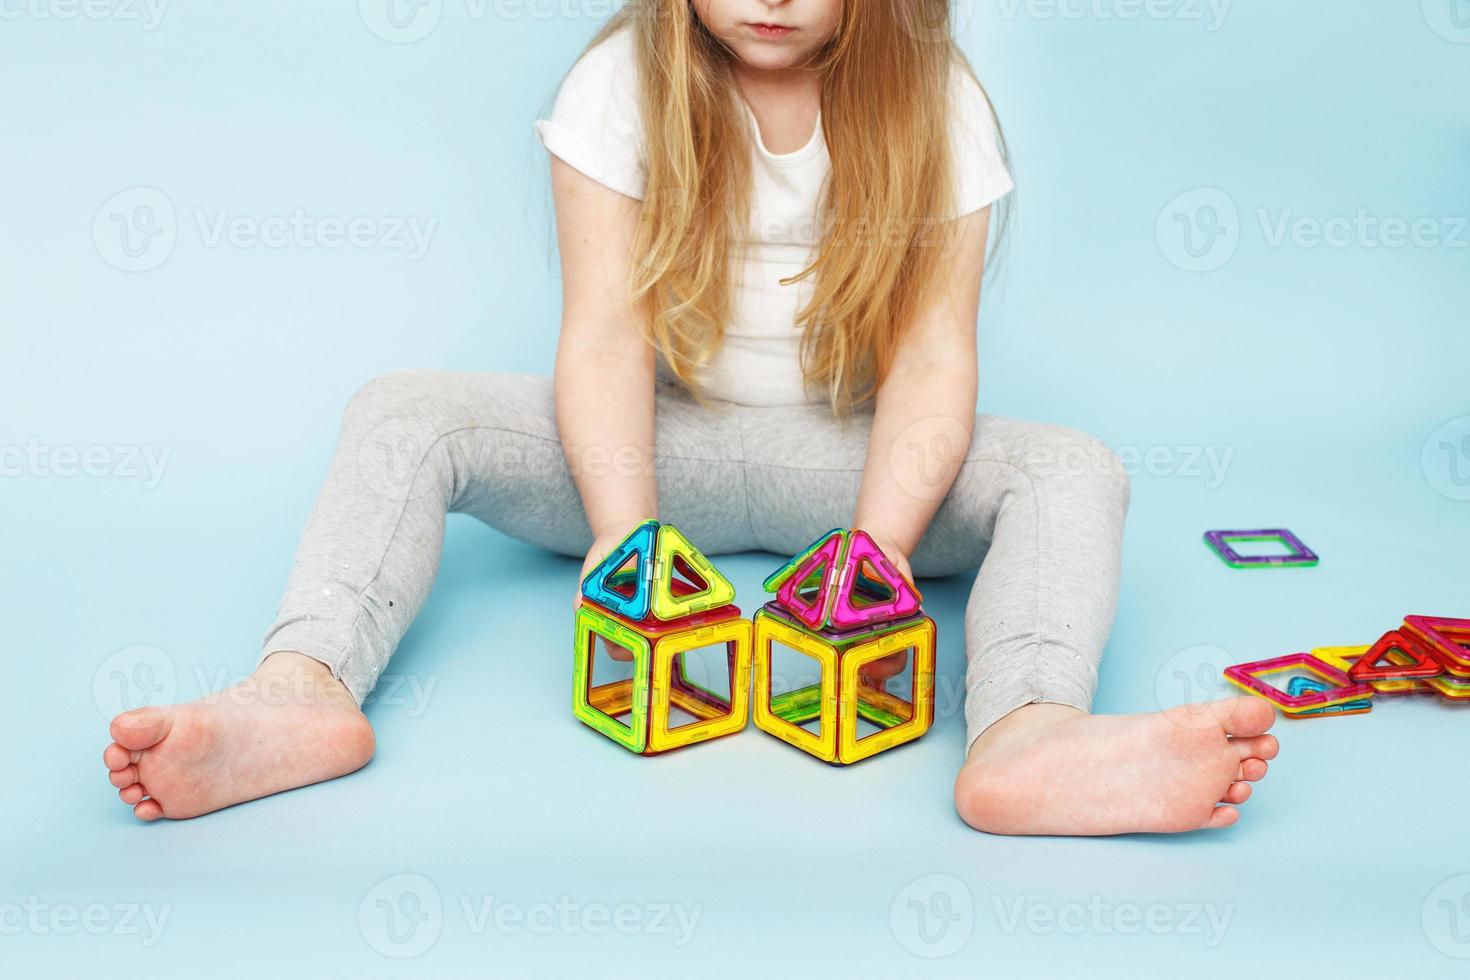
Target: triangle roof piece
{"type": "Point", "coordinates": [1448, 639]}
{"type": "Point", "coordinates": [848, 611]}
{"type": "Point", "coordinates": [598, 587]}
{"type": "Point", "coordinates": [674, 550]}
{"type": "Point", "coordinates": [826, 557]}
{"type": "Point", "coordinates": [774, 580]}
{"type": "Point", "coordinates": [1374, 665]}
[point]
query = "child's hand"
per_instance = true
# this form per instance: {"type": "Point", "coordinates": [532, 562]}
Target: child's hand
{"type": "Point", "coordinates": [878, 672]}
{"type": "Point", "coordinates": [602, 546]}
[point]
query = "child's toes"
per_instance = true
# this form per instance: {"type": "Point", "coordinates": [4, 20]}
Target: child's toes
{"type": "Point", "coordinates": [1222, 816]}
{"type": "Point", "coordinates": [1243, 716]}
{"type": "Point", "coordinates": [1237, 793]}
{"type": "Point", "coordinates": [141, 728]}
{"type": "Point", "coordinates": [132, 795]}
{"type": "Point", "coordinates": [123, 778]}
{"type": "Point", "coordinates": [116, 757]}
{"type": "Point", "coordinates": [1259, 747]}
{"type": "Point", "coordinates": [1252, 770]}
{"type": "Point", "coordinates": [148, 810]}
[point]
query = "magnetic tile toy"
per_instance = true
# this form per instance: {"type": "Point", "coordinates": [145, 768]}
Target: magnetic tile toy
{"type": "Point", "coordinates": [1305, 685]}
{"type": "Point", "coordinates": [629, 607]}
{"type": "Point", "coordinates": [1339, 689]}
{"type": "Point", "coordinates": [843, 580]}
{"type": "Point", "coordinates": [1298, 555]}
{"type": "Point", "coordinates": [1379, 663]}
{"type": "Point", "coordinates": [657, 552]}
{"type": "Point", "coordinates": [842, 697]}
{"type": "Point", "coordinates": [1448, 639]}
{"type": "Point", "coordinates": [1343, 659]}
{"type": "Point", "coordinates": [1449, 686]}
{"type": "Point", "coordinates": [842, 603]}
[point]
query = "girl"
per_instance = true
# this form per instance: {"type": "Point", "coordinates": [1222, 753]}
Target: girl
{"type": "Point", "coordinates": [772, 218]}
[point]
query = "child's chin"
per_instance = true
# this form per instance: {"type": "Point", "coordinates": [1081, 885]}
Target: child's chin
{"type": "Point", "coordinates": [768, 56]}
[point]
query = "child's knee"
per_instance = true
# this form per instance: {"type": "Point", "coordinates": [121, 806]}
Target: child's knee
{"type": "Point", "coordinates": [397, 396]}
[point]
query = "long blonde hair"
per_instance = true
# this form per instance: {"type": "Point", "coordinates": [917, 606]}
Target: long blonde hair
{"type": "Point", "coordinates": [885, 116]}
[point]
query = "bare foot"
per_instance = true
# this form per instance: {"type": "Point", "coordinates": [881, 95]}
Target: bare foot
{"type": "Point", "coordinates": [287, 725]}
{"type": "Point", "coordinates": [1050, 769]}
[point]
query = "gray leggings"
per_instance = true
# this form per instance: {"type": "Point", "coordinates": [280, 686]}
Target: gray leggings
{"type": "Point", "coordinates": [1041, 506]}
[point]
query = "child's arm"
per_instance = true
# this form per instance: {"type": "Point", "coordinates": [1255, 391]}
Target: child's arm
{"type": "Point", "coordinates": [604, 367]}
{"type": "Point", "coordinates": [925, 409]}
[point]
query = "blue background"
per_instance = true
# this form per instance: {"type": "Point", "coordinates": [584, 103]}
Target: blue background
{"type": "Point", "coordinates": [1333, 379]}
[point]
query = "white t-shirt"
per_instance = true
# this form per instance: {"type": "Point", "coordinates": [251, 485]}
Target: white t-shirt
{"type": "Point", "coordinates": [596, 128]}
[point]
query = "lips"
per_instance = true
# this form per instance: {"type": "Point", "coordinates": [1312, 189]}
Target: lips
{"type": "Point", "coordinates": [771, 31]}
